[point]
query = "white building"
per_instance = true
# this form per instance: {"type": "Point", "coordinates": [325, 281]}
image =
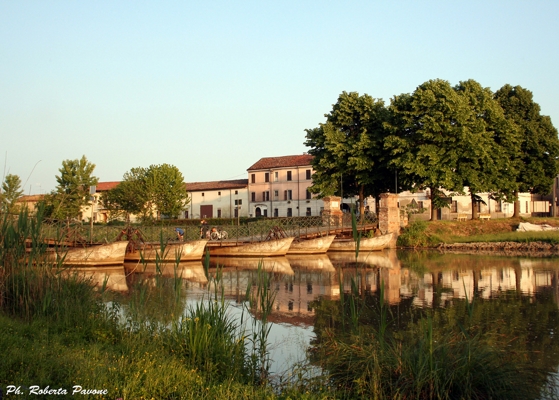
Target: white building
{"type": "Point", "coordinates": [218, 199]}
{"type": "Point", "coordinates": [278, 187]}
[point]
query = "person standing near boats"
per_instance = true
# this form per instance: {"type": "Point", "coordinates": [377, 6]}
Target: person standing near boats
{"type": "Point", "coordinates": [204, 229]}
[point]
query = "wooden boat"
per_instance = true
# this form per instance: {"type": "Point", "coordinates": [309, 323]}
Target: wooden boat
{"type": "Point", "coordinates": [95, 255]}
{"type": "Point", "coordinates": [268, 248]}
{"type": "Point", "coordinates": [365, 244]}
{"type": "Point", "coordinates": [318, 245]}
{"type": "Point", "coordinates": [173, 251]}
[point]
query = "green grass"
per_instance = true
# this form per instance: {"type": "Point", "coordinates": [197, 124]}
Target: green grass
{"type": "Point", "coordinates": [518, 237]}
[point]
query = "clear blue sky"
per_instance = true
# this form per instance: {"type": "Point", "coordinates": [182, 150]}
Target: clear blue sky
{"type": "Point", "coordinates": [212, 87]}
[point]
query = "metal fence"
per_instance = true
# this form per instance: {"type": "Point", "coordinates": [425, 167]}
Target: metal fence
{"type": "Point", "coordinates": [257, 230]}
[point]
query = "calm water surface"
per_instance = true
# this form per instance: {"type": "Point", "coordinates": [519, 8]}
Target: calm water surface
{"type": "Point", "coordinates": [519, 296]}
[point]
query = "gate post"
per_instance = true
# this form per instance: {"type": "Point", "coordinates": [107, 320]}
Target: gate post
{"type": "Point", "coordinates": [389, 216]}
{"type": "Point", "coordinates": [332, 214]}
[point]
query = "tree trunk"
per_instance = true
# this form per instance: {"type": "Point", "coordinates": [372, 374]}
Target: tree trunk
{"type": "Point", "coordinates": [516, 212]}
{"type": "Point", "coordinates": [433, 209]}
{"type": "Point", "coordinates": [362, 204]}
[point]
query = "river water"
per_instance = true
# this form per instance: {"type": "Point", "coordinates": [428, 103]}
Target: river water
{"type": "Point", "coordinates": [519, 296]}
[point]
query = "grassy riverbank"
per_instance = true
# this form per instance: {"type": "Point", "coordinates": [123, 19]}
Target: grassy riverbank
{"type": "Point", "coordinates": [61, 334]}
{"type": "Point", "coordinates": [433, 233]}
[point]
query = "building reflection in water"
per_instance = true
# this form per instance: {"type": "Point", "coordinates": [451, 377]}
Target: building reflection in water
{"type": "Point", "coordinates": [432, 281]}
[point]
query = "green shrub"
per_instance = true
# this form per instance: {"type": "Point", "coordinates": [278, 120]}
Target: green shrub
{"type": "Point", "coordinates": [414, 235]}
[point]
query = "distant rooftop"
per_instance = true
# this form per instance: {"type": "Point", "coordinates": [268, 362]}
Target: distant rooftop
{"type": "Point", "coordinates": [232, 184]}
{"type": "Point", "coordinates": [190, 186]}
{"type": "Point", "coordinates": [104, 186]}
{"type": "Point", "coordinates": [282, 162]}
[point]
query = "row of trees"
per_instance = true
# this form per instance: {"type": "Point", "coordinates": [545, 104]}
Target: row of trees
{"type": "Point", "coordinates": [438, 137]}
{"type": "Point", "coordinates": [147, 192]}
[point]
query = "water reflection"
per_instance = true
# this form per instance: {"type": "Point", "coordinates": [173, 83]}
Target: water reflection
{"type": "Point", "coordinates": [192, 271]}
{"type": "Point", "coordinates": [428, 279]}
{"type": "Point", "coordinates": [518, 295]}
{"type": "Point", "coordinates": [108, 278]}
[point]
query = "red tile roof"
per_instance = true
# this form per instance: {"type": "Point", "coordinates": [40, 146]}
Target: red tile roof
{"type": "Point", "coordinates": [232, 184]}
{"type": "Point", "coordinates": [104, 186]}
{"type": "Point", "coordinates": [282, 162]}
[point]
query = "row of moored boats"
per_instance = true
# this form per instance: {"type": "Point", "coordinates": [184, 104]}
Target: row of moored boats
{"type": "Point", "coordinates": [123, 251]}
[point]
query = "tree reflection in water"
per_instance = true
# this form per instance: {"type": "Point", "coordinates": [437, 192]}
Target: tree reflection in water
{"type": "Point", "coordinates": [432, 319]}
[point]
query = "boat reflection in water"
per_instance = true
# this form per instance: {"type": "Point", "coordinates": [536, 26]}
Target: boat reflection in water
{"type": "Point", "coordinates": [316, 262]}
{"type": "Point", "coordinates": [192, 271]}
{"type": "Point", "coordinates": [106, 278]}
{"type": "Point", "coordinates": [278, 265]}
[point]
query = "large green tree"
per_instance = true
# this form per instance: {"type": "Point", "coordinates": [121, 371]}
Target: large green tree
{"type": "Point", "coordinates": [445, 137]}
{"type": "Point", "coordinates": [72, 192]}
{"type": "Point", "coordinates": [348, 149]}
{"type": "Point", "coordinates": [11, 192]}
{"type": "Point", "coordinates": [158, 189]}
{"type": "Point", "coordinates": [537, 160]}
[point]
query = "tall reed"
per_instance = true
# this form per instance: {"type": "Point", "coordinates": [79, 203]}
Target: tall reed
{"type": "Point", "coordinates": [261, 303]}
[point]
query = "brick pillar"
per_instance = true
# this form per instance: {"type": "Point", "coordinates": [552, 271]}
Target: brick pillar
{"type": "Point", "coordinates": [332, 214]}
{"type": "Point", "coordinates": [389, 216]}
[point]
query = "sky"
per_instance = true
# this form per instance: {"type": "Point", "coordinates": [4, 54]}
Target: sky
{"type": "Point", "coordinates": [212, 87]}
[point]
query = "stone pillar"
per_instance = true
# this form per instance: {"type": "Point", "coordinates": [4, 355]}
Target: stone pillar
{"type": "Point", "coordinates": [389, 216]}
{"type": "Point", "coordinates": [332, 214]}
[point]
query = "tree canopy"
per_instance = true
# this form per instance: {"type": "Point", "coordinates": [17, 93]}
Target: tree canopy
{"type": "Point", "coordinates": [538, 155]}
{"type": "Point", "coordinates": [348, 149]}
{"type": "Point", "coordinates": [145, 191]}
{"type": "Point", "coordinates": [11, 192]}
{"type": "Point", "coordinates": [72, 191]}
{"type": "Point", "coordinates": [451, 137]}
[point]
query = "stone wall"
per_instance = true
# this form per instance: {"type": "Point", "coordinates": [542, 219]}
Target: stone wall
{"type": "Point", "coordinates": [389, 216]}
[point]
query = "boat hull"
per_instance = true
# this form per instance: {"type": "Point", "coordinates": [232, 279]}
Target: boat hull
{"type": "Point", "coordinates": [365, 244]}
{"type": "Point", "coordinates": [182, 251]}
{"type": "Point", "coordinates": [319, 245]}
{"type": "Point", "coordinates": [268, 248]}
{"type": "Point", "coordinates": [97, 255]}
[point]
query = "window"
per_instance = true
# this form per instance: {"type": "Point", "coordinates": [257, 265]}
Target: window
{"type": "Point", "coordinates": [276, 194]}
{"type": "Point", "coordinates": [202, 194]}
{"type": "Point", "coordinates": [308, 174]}
{"type": "Point", "coordinates": [498, 206]}
{"type": "Point", "coordinates": [276, 212]}
{"type": "Point", "coordinates": [238, 202]}
{"type": "Point", "coordinates": [253, 196]}
{"type": "Point", "coordinates": [236, 192]}
{"type": "Point", "coordinates": [454, 206]}
{"type": "Point", "coordinates": [287, 195]}
{"type": "Point", "coordinates": [276, 176]}
{"type": "Point", "coordinates": [266, 196]}
{"type": "Point", "coordinates": [219, 193]}
{"type": "Point", "coordinates": [236, 212]}
{"type": "Point", "coordinates": [252, 178]}
{"type": "Point", "coordinates": [309, 195]}
{"type": "Point", "coordinates": [219, 213]}
{"type": "Point", "coordinates": [289, 212]}
{"type": "Point", "coordinates": [288, 175]}
{"type": "Point", "coordinates": [267, 177]}
{"type": "Point", "coordinates": [309, 212]}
